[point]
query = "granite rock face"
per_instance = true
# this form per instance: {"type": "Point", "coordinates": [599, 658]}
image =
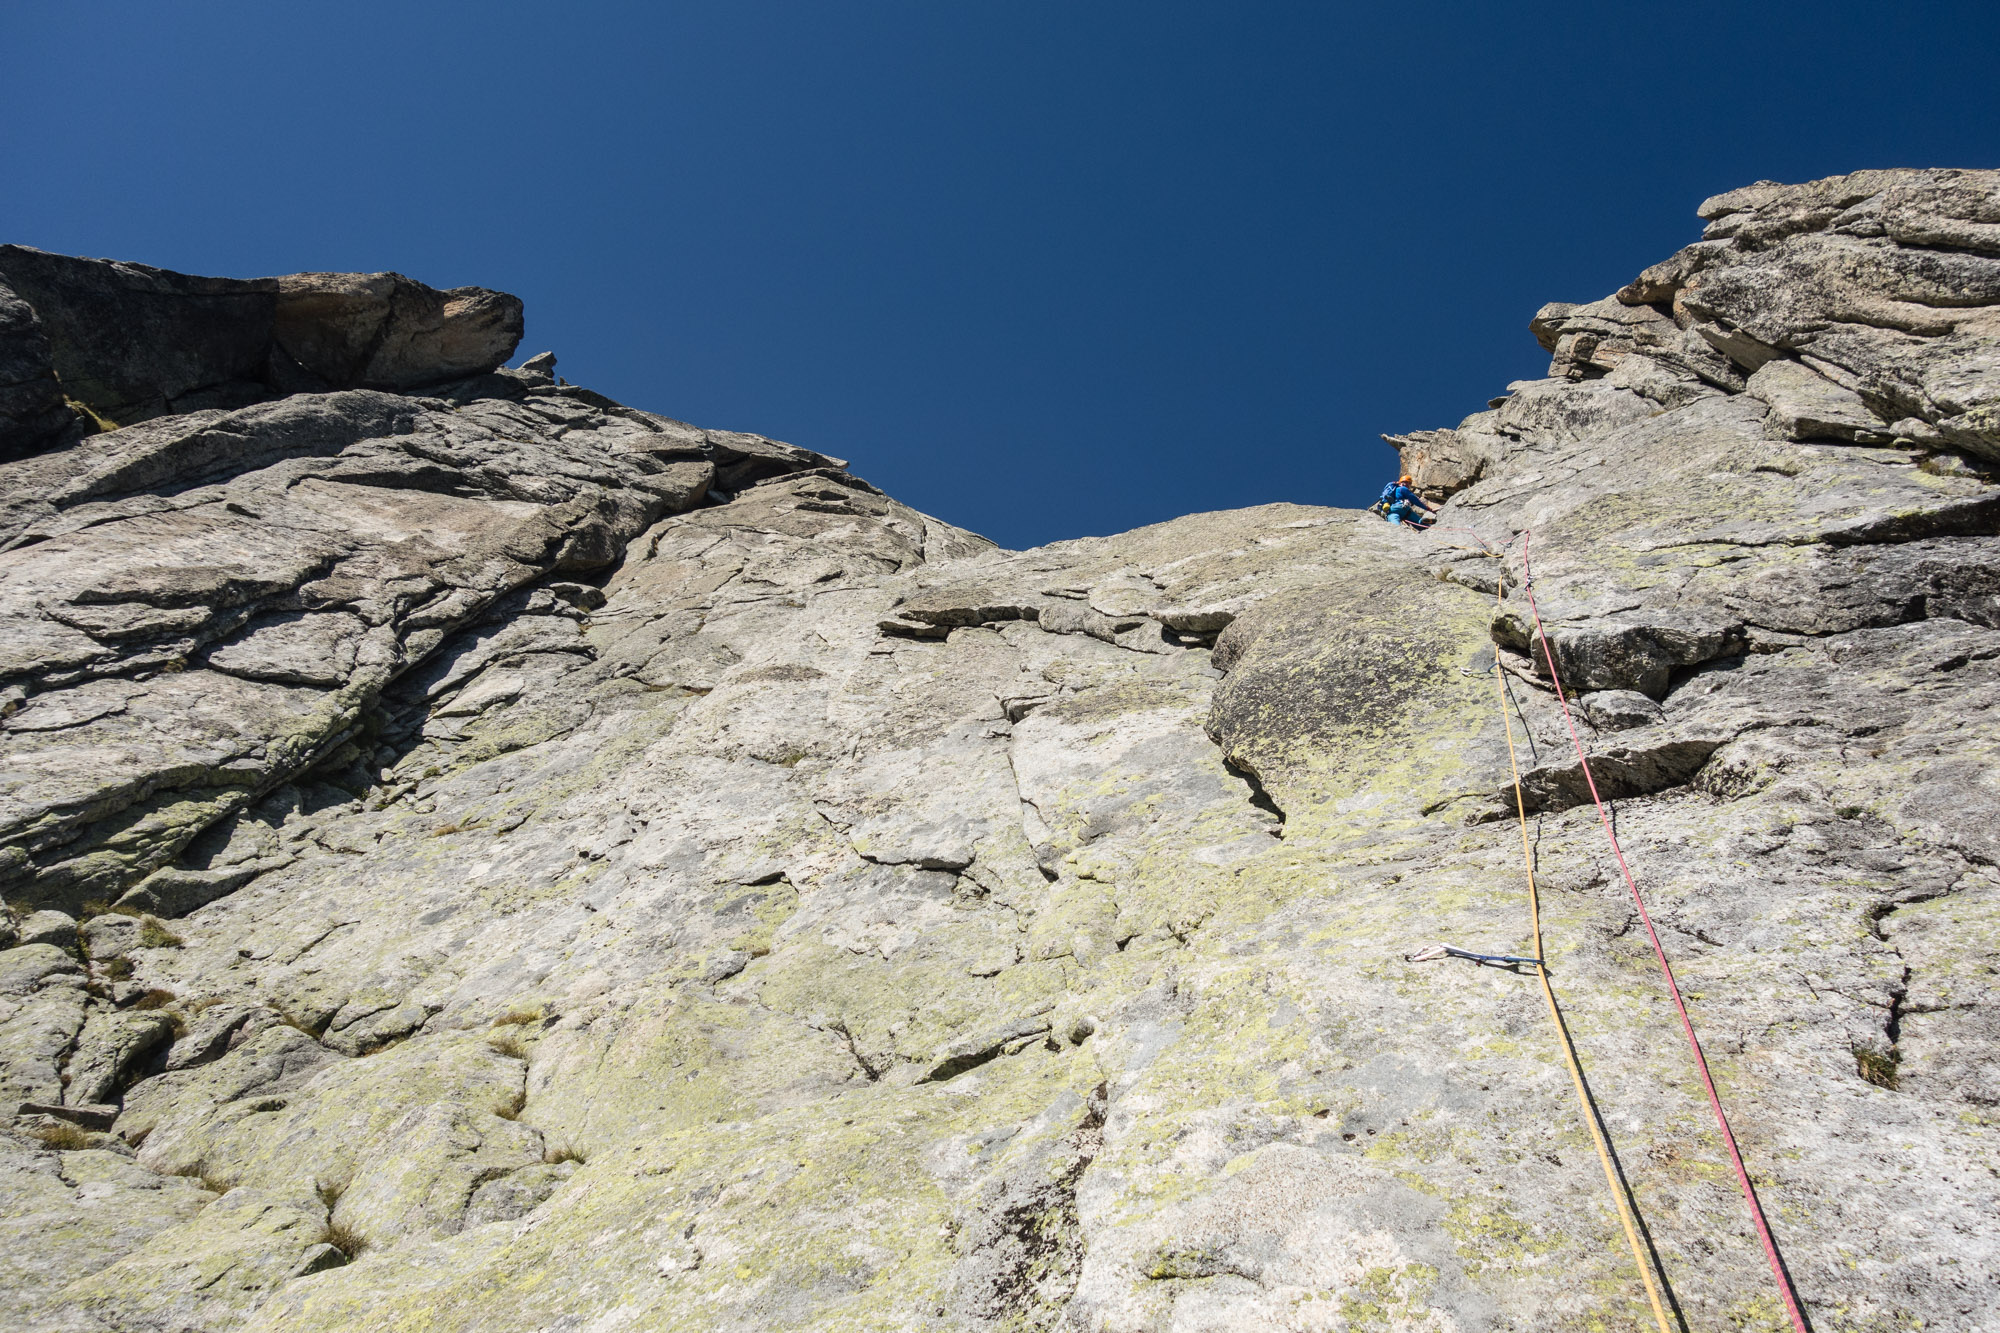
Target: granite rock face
{"type": "Point", "coordinates": [486, 858]}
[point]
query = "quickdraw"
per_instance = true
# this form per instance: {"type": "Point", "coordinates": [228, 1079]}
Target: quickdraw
{"type": "Point", "coordinates": [1437, 951]}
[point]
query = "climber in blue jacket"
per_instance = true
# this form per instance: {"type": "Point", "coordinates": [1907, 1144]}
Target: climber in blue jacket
{"type": "Point", "coordinates": [1400, 503]}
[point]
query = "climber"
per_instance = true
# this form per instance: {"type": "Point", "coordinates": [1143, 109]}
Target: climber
{"type": "Point", "coordinates": [1400, 503]}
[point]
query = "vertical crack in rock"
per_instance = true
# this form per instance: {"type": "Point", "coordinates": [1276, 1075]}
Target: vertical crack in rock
{"type": "Point", "coordinates": [1020, 1237]}
{"type": "Point", "coordinates": [868, 1071]}
{"type": "Point", "coordinates": [1258, 796]}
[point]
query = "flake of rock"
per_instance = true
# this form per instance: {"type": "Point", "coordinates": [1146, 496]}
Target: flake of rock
{"type": "Point", "coordinates": [1616, 710]}
{"type": "Point", "coordinates": [173, 891]}
{"type": "Point", "coordinates": [109, 936]}
{"type": "Point", "coordinates": [517, 1193]}
{"type": "Point", "coordinates": [112, 1043]}
{"type": "Point", "coordinates": [27, 965]}
{"type": "Point", "coordinates": [212, 1272]}
{"type": "Point", "coordinates": [382, 330]}
{"type": "Point", "coordinates": [319, 1259]}
{"type": "Point", "coordinates": [215, 1031]}
{"type": "Point", "coordinates": [1192, 620]}
{"type": "Point", "coordinates": [1808, 406]}
{"type": "Point", "coordinates": [85, 1115]}
{"type": "Point", "coordinates": [293, 648]}
{"type": "Point", "coordinates": [968, 604]}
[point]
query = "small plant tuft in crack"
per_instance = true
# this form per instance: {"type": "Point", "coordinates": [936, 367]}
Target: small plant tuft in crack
{"type": "Point", "coordinates": [213, 1184]}
{"type": "Point", "coordinates": [97, 907]}
{"type": "Point", "coordinates": [1878, 1067]}
{"type": "Point", "coordinates": [1879, 1064]}
{"type": "Point", "coordinates": [153, 934]}
{"type": "Point", "coordinates": [62, 1137]}
{"type": "Point", "coordinates": [507, 1044]}
{"type": "Point", "coordinates": [344, 1239]}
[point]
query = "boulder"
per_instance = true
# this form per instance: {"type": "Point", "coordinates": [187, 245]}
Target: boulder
{"type": "Point", "coordinates": [1443, 462]}
{"type": "Point", "coordinates": [385, 331]}
{"type": "Point", "coordinates": [49, 927]}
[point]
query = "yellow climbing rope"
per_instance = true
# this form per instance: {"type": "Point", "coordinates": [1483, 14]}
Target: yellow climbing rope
{"type": "Point", "coordinates": [1555, 1014]}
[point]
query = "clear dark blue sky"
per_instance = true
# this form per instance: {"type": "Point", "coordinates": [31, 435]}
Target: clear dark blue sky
{"type": "Point", "coordinates": [1042, 269]}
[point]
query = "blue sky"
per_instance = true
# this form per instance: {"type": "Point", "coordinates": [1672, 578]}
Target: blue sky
{"type": "Point", "coordinates": [1041, 269]}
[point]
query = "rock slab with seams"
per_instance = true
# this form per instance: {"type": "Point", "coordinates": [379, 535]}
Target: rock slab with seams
{"type": "Point", "coordinates": [484, 857]}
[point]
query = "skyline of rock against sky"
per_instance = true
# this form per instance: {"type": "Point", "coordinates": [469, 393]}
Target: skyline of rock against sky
{"type": "Point", "coordinates": [1050, 269]}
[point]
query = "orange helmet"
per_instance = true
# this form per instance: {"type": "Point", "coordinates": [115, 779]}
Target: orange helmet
{"type": "Point", "coordinates": [1403, 480]}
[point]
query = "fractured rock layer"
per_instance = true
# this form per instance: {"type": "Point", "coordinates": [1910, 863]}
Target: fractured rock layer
{"type": "Point", "coordinates": [484, 857]}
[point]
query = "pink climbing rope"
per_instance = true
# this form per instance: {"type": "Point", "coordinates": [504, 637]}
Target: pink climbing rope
{"type": "Point", "coordinates": [1666, 970]}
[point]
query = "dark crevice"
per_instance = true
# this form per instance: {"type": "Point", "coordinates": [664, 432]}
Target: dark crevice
{"type": "Point", "coordinates": [1012, 1039]}
{"type": "Point", "coordinates": [1259, 797]}
{"type": "Point", "coordinates": [1879, 1065]}
{"type": "Point", "coordinates": [1681, 674]}
{"type": "Point", "coordinates": [952, 1068]}
{"type": "Point", "coordinates": [915, 862]}
{"type": "Point", "coordinates": [870, 1072]}
{"type": "Point", "coordinates": [1521, 717]}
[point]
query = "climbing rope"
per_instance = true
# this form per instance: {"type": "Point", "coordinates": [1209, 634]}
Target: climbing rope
{"type": "Point", "coordinates": [1482, 549]}
{"type": "Point", "coordinates": [1687, 1026]}
{"type": "Point", "coordinates": [1590, 1121]}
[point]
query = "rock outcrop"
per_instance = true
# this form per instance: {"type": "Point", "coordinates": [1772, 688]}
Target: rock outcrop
{"type": "Point", "coordinates": [483, 857]}
{"type": "Point", "coordinates": [131, 343]}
